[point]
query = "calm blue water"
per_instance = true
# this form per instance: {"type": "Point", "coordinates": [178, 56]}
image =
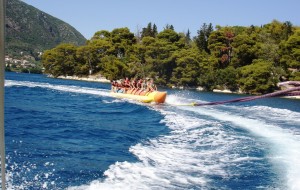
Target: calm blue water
{"type": "Point", "coordinates": [63, 134]}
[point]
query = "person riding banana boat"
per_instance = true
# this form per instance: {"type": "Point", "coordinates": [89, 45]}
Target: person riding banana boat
{"type": "Point", "coordinates": [143, 90]}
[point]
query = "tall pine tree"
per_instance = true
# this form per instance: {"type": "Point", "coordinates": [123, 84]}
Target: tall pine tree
{"type": "Point", "coordinates": [188, 37]}
{"type": "Point", "coordinates": [202, 38]}
{"type": "Point", "coordinates": [149, 31]}
{"type": "Point", "coordinates": [154, 31]}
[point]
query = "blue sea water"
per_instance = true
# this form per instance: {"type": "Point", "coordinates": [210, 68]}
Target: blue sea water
{"type": "Point", "coordinates": [64, 134]}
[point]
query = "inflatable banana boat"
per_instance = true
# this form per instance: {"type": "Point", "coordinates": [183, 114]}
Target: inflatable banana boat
{"type": "Point", "coordinates": [145, 97]}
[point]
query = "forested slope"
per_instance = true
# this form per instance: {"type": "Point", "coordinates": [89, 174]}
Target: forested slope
{"type": "Point", "coordinates": [30, 30]}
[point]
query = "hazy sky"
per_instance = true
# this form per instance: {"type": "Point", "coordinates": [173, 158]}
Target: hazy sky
{"type": "Point", "coordinates": [90, 16]}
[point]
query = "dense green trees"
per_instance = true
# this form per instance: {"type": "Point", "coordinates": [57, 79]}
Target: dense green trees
{"type": "Point", "coordinates": [252, 59]}
{"type": "Point", "coordinates": [61, 60]}
{"type": "Point", "coordinates": [291, 51]}
{"type": "Point", "coordinates": [257, 77]}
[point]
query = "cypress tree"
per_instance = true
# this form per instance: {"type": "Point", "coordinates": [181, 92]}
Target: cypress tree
{"type": "Point", "coordinates": [154, 30]}
{"type": "Point", "coordinates": [188, 37]}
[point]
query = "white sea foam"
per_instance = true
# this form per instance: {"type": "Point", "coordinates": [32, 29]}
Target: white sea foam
{"type": "Point", "coordinates": [278, 115]}
{"type": "Point", "coordinates": [175, 161]}
{"type": "Point", "coordinates": [268, 123]}
{"type": "Point", "coordinates": [40, 180]}
{"type": "Point", "coordinates": [64, 88]}
{"type": "Point", "coordinates": [285, 145]}
{"type": "Point", "coordinates": [175, 100]}
{"type": "Point", "coordinates": [113, 101]}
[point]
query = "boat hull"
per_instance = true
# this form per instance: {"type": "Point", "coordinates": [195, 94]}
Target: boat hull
{"type": "Point", "coordinates": [155, 96]}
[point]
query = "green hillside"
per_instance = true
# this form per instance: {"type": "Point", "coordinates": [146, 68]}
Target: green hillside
{"type": "Point", "coordinates": [30, 30]}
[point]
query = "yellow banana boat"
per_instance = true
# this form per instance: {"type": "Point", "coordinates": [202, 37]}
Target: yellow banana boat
{"type": "Point", "coordinates": [155, 96]}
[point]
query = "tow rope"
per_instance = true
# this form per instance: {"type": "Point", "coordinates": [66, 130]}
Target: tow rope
{"type": "Point", "coordinates": [294, 91]}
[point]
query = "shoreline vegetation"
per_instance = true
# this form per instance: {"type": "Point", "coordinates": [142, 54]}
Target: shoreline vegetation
{"type": "Point", "coordinates": [250, 60]}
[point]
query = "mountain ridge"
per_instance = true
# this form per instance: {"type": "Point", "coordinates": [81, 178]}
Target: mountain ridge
{"type": "Point", "coordinates": [31, 31]}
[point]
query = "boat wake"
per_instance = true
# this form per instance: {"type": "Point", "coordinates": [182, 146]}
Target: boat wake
{"type": "Point", "coordinates": [206, 144]}
{"type": "Point", "coordinates": [183, 159]}
{"type": "Point", "coordinates": [64, 88]}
